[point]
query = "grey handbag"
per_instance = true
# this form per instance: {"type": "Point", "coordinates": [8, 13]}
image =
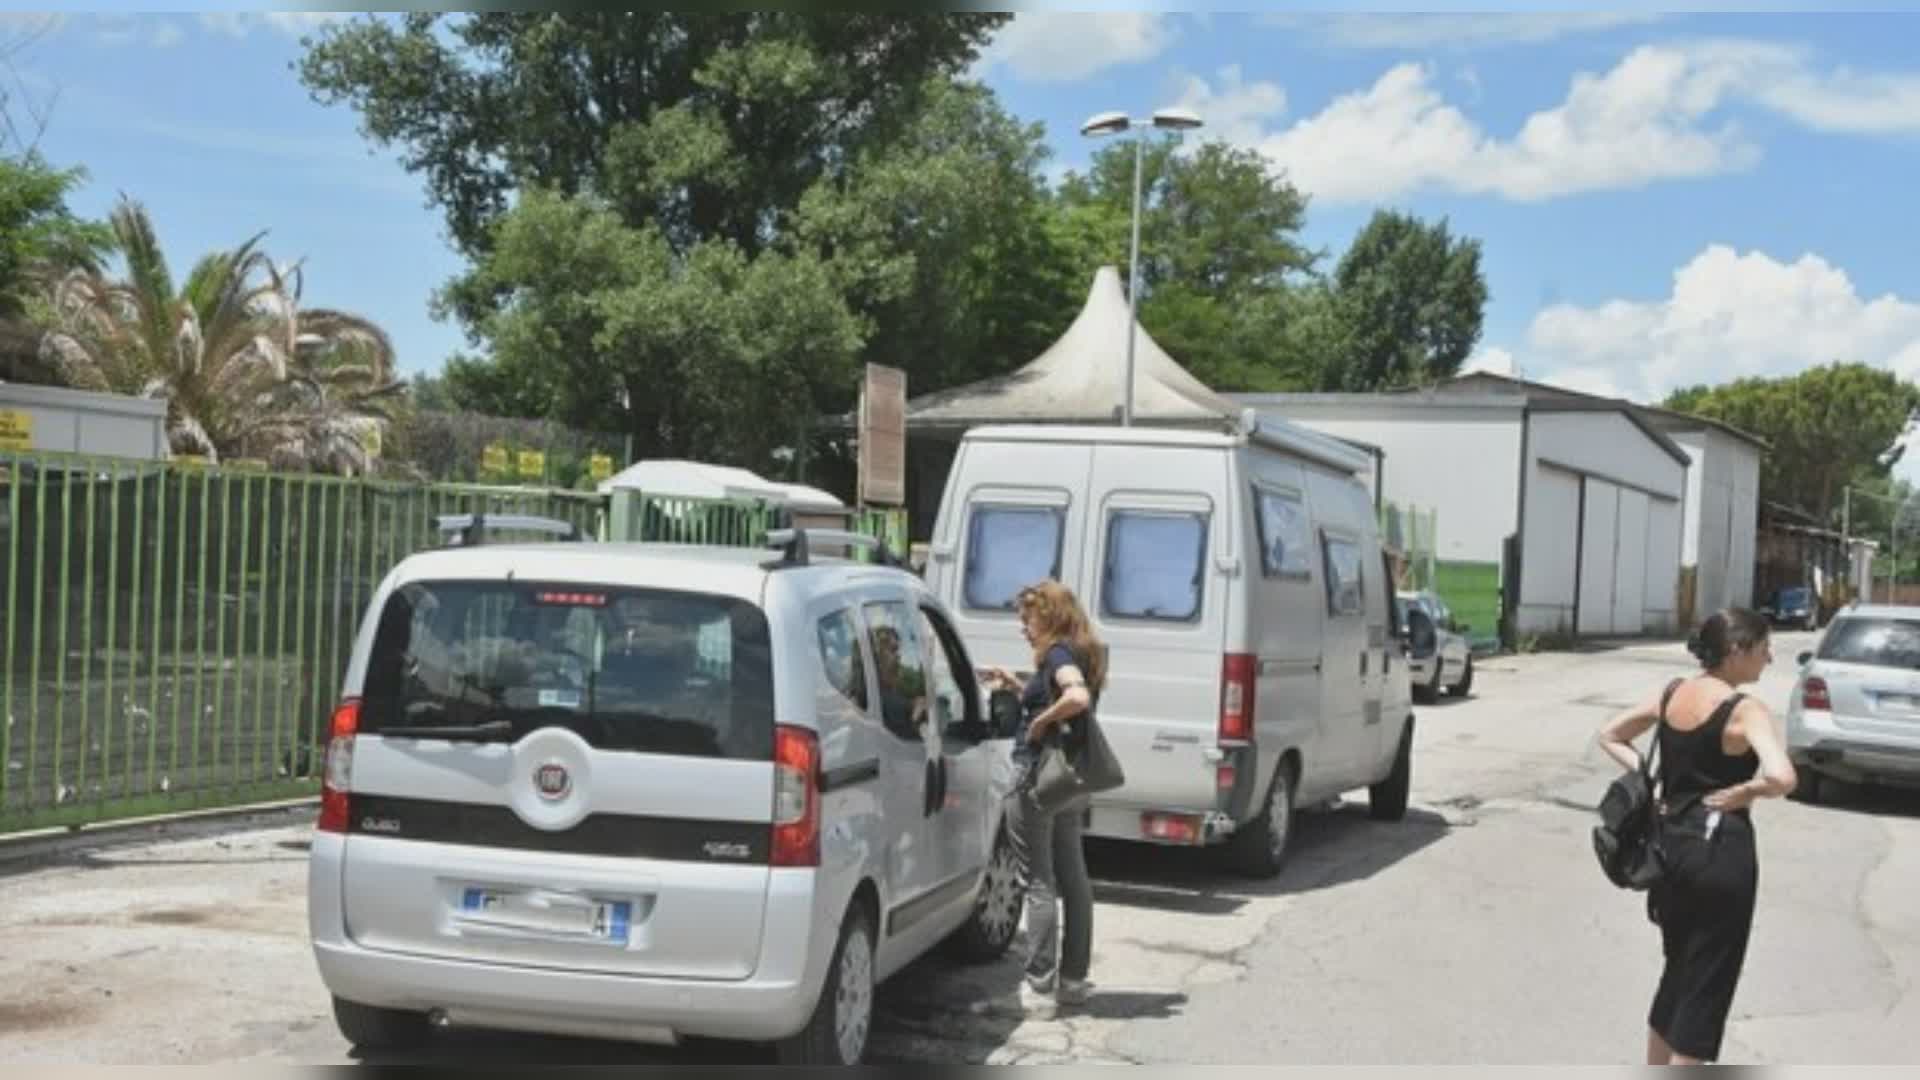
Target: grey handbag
{"type": "Point", "coordinates": [1061, 777]}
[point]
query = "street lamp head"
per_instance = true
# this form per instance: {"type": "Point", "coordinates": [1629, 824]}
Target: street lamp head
{"type": "Point", "coordinates": [1106, 123]}
{"type": "Point", "coordinates": [1176, 119]}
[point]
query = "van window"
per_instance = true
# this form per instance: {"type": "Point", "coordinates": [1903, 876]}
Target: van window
{"type": "Point", "coordinates": [840, 660]}
{"type": "Point", "coordinates": [1154, 565]}
{"type": "Point", "coordinates": [646, 670]}
{"type": "Point", "coordinates": [898, 660]}
{"type": "Point", "coordinates": [1346, 595]}
{"type": "Point", "coordinates": [1286, 539]}
{"type": "Point", "coordinates": [1009, 548]}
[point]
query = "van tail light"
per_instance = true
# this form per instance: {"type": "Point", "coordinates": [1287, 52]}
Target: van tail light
{"type": "Point", "coordinates": [1236, 698]}
{"type": "Point", "coordinates": [796, 797]}
{"type": "Point", "coordinates": [1814, 696]}
{"type": "Point", "coordinates": [336, 778]}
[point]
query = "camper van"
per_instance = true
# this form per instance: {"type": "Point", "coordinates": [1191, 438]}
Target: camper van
{"type": "Point", "coordinates": [1238, 581]}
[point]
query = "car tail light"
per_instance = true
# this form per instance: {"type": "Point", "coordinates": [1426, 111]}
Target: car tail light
{"type": "Point", "coordinates": [1224, 777]}
{"type": "Point", "coordinates": [1236, 697]}
{"type": "Point", "coordinates": [336, 777]}
{"type": "Point", "coordinates": [796, 797]}
{"type": "Point", "coordinates": [1172, 828]}
{"type": "Point", "coordinates": [1814, 696]}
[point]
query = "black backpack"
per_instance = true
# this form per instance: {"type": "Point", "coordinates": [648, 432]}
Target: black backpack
{"type": "Point", "coordinates": [1627, 840]}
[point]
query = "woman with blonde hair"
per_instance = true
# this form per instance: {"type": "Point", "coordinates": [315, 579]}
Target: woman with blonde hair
{"type": "Point", "coordinates": [1069, 673]}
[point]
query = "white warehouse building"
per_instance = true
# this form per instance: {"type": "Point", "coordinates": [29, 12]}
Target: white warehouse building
{"type": "Point", "coordinates": [1580, 500]}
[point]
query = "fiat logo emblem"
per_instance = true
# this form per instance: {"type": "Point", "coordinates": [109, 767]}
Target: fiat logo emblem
{"type": "Point", "coordinates": [552, 781]}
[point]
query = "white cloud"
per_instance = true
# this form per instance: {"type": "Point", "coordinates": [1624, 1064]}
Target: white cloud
{"type": "Point", "coordinates": [1659, 114]}
{"type": "Point", "coordinates": [1729, 315]}
{"type": "Point", "coordinates": [239, 24]}
{"type": "Point", "coordinates": [1478, 30]}
{"type": "Point", "coordinates": [1490, 359]}
{"type": "Point", "coordinates": [1234, 110]}
{"type": "Point", "coordinates": [1066, 46]}
{"type": "Point", "coordinates": [137, 30]}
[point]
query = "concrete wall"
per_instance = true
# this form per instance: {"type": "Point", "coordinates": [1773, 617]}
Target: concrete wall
{"type": "Point", "coordinates": [1463, 462]}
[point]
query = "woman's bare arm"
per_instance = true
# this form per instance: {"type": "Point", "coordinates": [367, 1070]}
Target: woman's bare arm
{"type": "Point", "coordinates": [1776, 777]}
{"type": "Point", "coordinates": [1616, 738]}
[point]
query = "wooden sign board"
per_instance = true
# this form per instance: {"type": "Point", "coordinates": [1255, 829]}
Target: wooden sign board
{"type": "Point", "coordinates": [883, 436]}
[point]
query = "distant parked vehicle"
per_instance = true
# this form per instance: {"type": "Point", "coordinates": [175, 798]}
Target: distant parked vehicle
{"type": "Point", "coordinates": [1855, 711]}
{"type": "Point", "coordinates": [1442, 657]}
{"type": "Point", "coordinates": [1795, 606]}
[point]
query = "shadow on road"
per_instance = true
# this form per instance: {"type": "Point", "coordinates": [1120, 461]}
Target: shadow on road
{"type": "Point", "coordinates": [1875, 799]}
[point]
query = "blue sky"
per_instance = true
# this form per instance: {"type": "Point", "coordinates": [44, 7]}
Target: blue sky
{"type": "Point", "coordinates": [1663, 199]}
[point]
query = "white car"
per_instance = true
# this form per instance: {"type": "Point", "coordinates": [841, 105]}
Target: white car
{"type": "Point", "coordinates": [1855, 710]}
{"type": "Point", "coordinates": [1439, 655]}
{"type": "Point", "coordinates": [649, 792]}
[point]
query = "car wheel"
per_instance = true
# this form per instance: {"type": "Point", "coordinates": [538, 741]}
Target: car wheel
{"type": "Point", "coordinates": [842, 1022]}
{"type": "Point", "coordinates": [1259, 848]}
{"type": "Point", "coordinates": [989, 932]}
{"type": "Point", "coordinates": [1387, 800]}
{"type": "Point", "coordinates": [1812, 787]}
{"type": "Point", "coordinates": [371, 1028]}
{"type": "Point", "coordinates": [1429, 692]}
{"type": "Point", "coordinates": [1465, 685]}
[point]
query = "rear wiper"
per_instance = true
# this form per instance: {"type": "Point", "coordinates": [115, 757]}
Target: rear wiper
{"type": "Point", "coordinates": [492, 729]}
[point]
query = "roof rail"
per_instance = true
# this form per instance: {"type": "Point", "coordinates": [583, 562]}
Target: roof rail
{"type": "Point", "coordinates": [795, 545]}
{"type": "Point", "coordinates": [469, 530]}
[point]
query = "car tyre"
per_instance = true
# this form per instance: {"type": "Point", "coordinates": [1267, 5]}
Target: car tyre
{"type": "Point", "coordinates": [368, 1027]}
{"type": "Point", "coordinates": [1258, 849]}
{"type": "Point", "coordinates": [1465, 686]}
{"type": "Point", "coordinates": [1429, 692]}
{"type": "Point", "coordinates": [989, 932]}
{"type": "Point", "coordinates": [1812, 788]}
{"type": "Point", "coordinates": [1387, 800]}
{"type": "Point", "coordinates": [838, 1032]}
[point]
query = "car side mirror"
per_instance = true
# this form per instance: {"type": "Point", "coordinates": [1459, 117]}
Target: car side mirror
{"type": "Point", "coordinates": [1806, 658]}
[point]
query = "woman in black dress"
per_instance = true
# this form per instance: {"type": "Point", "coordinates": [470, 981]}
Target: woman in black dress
{"type": "Point", "coordinates": [1718, 753]}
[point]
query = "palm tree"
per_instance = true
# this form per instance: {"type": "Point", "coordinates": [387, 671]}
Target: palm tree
{"type": "Point", "coordinates": [241, 367]}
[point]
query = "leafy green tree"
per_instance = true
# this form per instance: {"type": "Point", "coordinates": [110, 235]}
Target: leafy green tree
{"type": "Point", "coordinates": [1410, 297]}
{"type": "Point", "coordinates": [1828, 426]}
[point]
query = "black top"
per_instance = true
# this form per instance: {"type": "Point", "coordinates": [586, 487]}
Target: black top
{"type": "Point", "coordinates": [1043, 689]}
{"type": "Point", "coordinates": [1693, 763]}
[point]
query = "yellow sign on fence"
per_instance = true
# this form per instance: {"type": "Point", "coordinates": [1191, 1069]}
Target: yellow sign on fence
{"type": "Point", "coordinates": [16, 430]}
{"type": "Point", "coordinates": [494, 458]}
{"type": "Point", "coordinates": [533, 464]}
{"type": "Point", "coordinates": [600, 467]}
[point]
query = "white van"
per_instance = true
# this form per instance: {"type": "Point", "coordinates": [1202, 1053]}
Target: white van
{"type": "Point", "coordinates": [1239, 583]}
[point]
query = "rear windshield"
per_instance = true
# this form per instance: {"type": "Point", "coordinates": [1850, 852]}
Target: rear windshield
{"type": "Point", "coordinates": [1889, 643]}
{"type": "Point", "coordinates": [654, 671]}
{"type": "Point", "coordinates": [1794, 596]}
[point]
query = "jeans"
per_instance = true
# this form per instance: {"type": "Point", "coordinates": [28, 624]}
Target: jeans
{"type": "Point", "coordinates": [1053, 866]}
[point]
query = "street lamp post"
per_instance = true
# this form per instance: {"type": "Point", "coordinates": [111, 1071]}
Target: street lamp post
{"type": "Point", "coordinates": [1114, 123]}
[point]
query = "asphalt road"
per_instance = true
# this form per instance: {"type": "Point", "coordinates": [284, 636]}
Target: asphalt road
{"type": "Point", "coordinates": [1478, 931]}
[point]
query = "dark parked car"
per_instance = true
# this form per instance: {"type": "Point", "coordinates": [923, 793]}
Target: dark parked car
{"type": "Point", "coordinates": [1795, 606]}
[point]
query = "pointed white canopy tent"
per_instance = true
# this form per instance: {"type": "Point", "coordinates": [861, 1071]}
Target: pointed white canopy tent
{"type": "Point", "coordinates": [1080, 380]}
{"type": "Point", "coordinates": [701, 480]}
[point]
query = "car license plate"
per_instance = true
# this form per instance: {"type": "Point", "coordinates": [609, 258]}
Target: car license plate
{"type": "Point", "coordinates": [1905, 703]}
{"type": "Point", "coordinates": [544, 913]}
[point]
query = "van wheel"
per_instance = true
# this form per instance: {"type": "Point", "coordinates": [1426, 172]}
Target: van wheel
{"type": "Point", "coordinates": [842, 1021]}
{"type": "Point", "coordinates": [989, 932]}
{"type": "Point", "coordinates": [1465, 685]}
{"type": "Point", "coordinates": [371, 1028]}
{"type": "Point", "coordinates": [1387, 800]}
{"type": "Point", "coordinates": [1259, 848]}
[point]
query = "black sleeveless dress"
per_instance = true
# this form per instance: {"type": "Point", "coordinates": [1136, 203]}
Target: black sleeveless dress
{"type": "Point", "coordinates": [1704, 906]}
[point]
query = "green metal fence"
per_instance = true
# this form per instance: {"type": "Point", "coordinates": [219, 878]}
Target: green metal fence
{"type": "Point", "coordinates": [175, 635]}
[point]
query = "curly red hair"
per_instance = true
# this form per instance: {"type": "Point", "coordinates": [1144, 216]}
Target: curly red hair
{"type": "Point", "coordinates": [1059, 618]}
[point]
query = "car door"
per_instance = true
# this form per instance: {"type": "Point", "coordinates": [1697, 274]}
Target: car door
{"type": "Point", "coordinates": [1344, 677]}
{"type": "Point", "coordinates": [914, 865]}
{"type": "Point", "coordinates": [962, 821]}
